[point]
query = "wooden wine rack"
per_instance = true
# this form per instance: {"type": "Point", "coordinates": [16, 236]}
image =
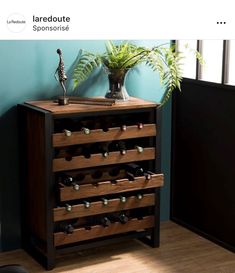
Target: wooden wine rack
{"type": "Point", "coordinates": [45, 147]}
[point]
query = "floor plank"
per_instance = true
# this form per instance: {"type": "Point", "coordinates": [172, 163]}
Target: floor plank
{"type": "Point", "coordinates": [181, 251]}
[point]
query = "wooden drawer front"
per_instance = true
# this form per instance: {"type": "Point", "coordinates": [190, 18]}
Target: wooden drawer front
{"type": "Point", "coordinates": [98, 135]}
{"type": "Point", "coordinates": [82, 234]}
{"type": "Point", "coordinates": [99, 208]}
{"type": "Point", "coordinates": [107, 187]}
{"type": "Point", "coordinates": [79, 162]}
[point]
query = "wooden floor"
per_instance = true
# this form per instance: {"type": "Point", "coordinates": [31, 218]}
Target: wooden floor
{"type": "Point", "coordinates": [181, 251]}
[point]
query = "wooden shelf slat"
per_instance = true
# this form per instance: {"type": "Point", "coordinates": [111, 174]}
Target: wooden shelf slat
{"type": "Point", "coordinates": [98, 207]}
{"type": "Point", "coordinates": [98, 135]}
{"type": "Point", "coordinates": [107, 187]}
{"type": "Point", "coordinates": [79, 162]}
{"type": "Point", "coordinates": [82, 234]}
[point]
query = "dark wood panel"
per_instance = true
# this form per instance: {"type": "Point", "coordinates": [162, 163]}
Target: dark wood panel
{"type": "Point", "coordinates": [203, 160]}
{"type": "Point", "coordinates": [79, 162]}
{"type": "Point", "coordinates": [37, 184]}
{"type": "Point", "coordinates": [103, 188]}
{"type": "Point", "coordinates": [35, 180]}
{"type": "Point", "coordinates": [82, 234]}
{"type": "Point", "coordinates": [98, 135]}
{"type": "Point", "coordinates": [98, 207]}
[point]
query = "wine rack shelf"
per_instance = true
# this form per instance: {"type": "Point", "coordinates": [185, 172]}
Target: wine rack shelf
{"type": "Point", "coordinates": [98, 207]}
{"type": "Point", "coordinates": [99, 135]}
{"type": "Point", "coordinates": [90, 174]}
{"type": "Point", "coordinates": [80, 162]}
{"type": "Point", "coordinates": [83, 234]}
{"type": "Point", "coordinates": [110, 187]}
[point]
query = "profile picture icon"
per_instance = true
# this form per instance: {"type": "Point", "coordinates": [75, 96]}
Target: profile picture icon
{"type": "Point", "coordinates": [16, 22]}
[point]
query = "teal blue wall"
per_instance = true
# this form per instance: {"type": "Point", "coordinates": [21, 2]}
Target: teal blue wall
{"type": "Point", "coordinates": [27, 73]}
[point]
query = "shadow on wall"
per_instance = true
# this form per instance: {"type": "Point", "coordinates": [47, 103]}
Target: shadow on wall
{"type": "Point", "coordinates": [10, 199]}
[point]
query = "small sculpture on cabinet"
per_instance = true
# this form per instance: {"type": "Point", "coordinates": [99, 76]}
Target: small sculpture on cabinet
{"type": "Point", "coordinates": [62, 100]}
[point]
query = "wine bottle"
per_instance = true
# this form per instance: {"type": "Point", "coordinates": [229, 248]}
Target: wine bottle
{"type": "Point", "coordinates": [66, 179]}
{"type": "Point", "coordinates": [139, 149]}
{"type": "Point", "coordinates": [86, 130]}
{"type": "Point", "coordinates": [123, 127]}
{"type": "Point", "coordinates": [68, 207]}
{"type": "Point", "coordinates": [97, 174]}
{"type": "Point", "coordinates": [130, 176]}
{"type": "Point", "coordinates": [65, 227]}
{"type": "Point", "coordinates": [134, 169]}
{"type": "Point", "coordinates": [91, 123]}
{"type": "Point", "coordinates": [107, 123]}
{"type": "Point", "coordinates": [119, 217]}
{"type": "Point", "coordinates": [73, 150]}
{"type": "Point", "coordinates": [75, 186]}
{"type": "Point", "coordinates": [140, 125]}
{"type": "Point", "coordinates": [122, 122]}
{"type": "Point", "coordinates": [105, 127]}
{"type": "Point", "coordinates": [62, 124]}
{"type": "Point", "coordinates": [86, 204]}
{"type": "Point", "coordinates": [105, 201]}
{"type": "Point", "coordinates": [68, 229]}
{"type": "Point", "coordinates": [80, 176]}
{"type": "Point", "coordinates": [104, 148]}
{"type": "Point", "coordinates": [97, 123]}
{"type": "Point", "coordinates": [147, 175]}
{"type": "Point", "coordinates": [139, 196]}
{"type": "Point", "coordinates": [114, 171]}
{"type": "Point", "coordinates": [67, 133]}
{"type": "Point", "coordinates": [86, 151]}
{"type": "Point", "coordinates": [122, 199]}
{"type": "Point", "coordinates": [121, 147]}
{"type": "Point", "coordinates": [105, 221]}
{"type": "Point", "coordinates": [123, 218]}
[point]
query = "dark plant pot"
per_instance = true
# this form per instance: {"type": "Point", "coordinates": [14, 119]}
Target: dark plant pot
{"type": "Point", "coordinates": [117, 88]}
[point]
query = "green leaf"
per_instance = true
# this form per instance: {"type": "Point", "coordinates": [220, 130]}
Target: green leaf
{"type": "Point", "coordinates": [161, 59]}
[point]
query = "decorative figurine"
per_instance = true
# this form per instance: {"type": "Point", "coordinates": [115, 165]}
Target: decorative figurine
{"type": "Point", "coordinates": [63, 100]}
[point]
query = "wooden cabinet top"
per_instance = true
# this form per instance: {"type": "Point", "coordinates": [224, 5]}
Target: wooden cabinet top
{"type": "Point", "coordinates": [55, 109]}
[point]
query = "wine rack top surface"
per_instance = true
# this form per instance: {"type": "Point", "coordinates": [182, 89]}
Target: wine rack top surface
{"type": "Point", "coordinates": [56, 109]}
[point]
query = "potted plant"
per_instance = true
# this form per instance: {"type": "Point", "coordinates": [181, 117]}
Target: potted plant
{"type": "Point", "coordinates": [117, 60]}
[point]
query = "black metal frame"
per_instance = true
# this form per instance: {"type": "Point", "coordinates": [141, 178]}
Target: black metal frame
{"type": "Point", "coordinates": [225, 62]}
{"type": "Point", "coordinates": [198, 66]}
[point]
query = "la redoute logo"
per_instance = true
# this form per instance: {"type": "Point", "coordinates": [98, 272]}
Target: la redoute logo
{"type": "Point", "coordinates": [16, 22]}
